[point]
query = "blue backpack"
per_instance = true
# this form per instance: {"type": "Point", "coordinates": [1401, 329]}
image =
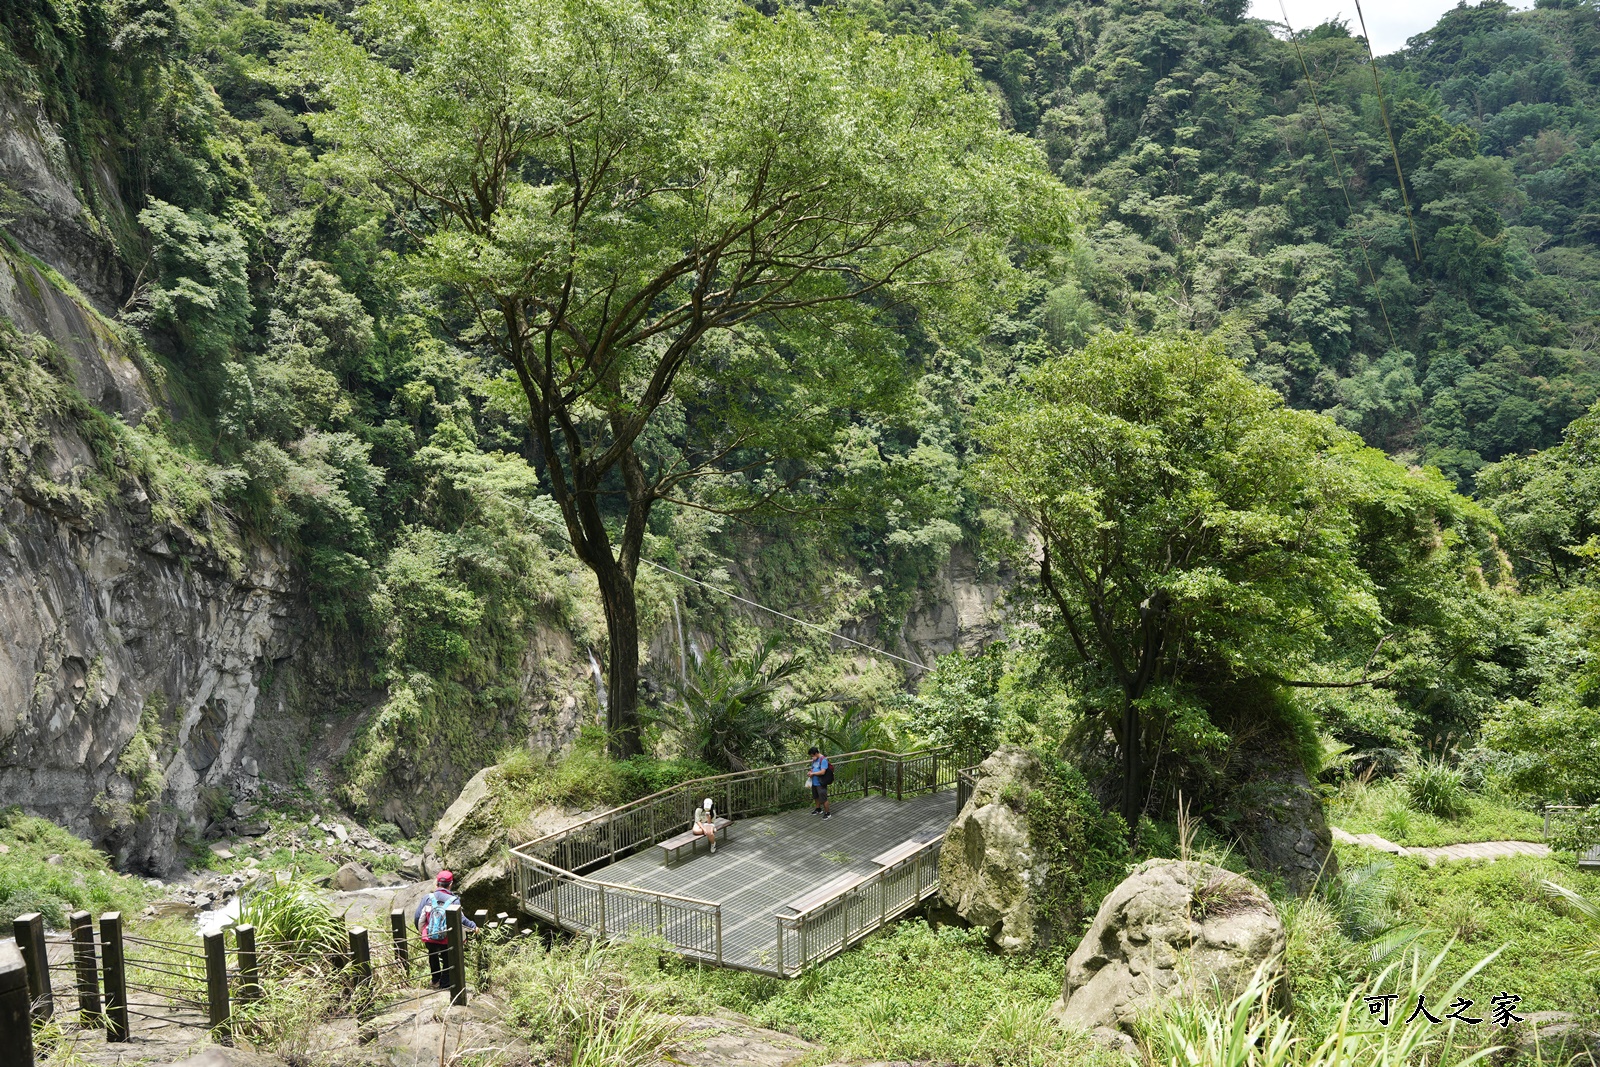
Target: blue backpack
{"type": "Point", "coordinates": [431, 923]}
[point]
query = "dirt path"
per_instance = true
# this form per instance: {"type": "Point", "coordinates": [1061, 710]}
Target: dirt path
{"type": "Point", "coordinates": [1478, 850]}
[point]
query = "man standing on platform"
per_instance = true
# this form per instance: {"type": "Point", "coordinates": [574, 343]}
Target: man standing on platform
{"type": "Point", "coordinates": [821, 776]}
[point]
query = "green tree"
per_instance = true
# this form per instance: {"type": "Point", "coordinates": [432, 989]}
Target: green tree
{"type": "Point", "coordinates": [623, 199]}
{"type": "Point", "coordinates": [1191, 529]}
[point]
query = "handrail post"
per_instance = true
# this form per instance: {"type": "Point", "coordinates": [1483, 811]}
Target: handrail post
{"type": "Point", "coordinates": [397, 933]}
{"type": "Point", "coordinates": [216, 980]}
{"type": "Point", "coordinates": [899, 779]}
{"type": "Point", "coordinates": [16, 1009]}
{"type": "Point", "coordinates": [82, 925]}
{"type": "Point", "coordinates": [114, 976]}
{"type": "Point", "coordinates": [29, 931]}
{"type": "Point", "coordinates": [247, 963]}
{"type": "Point", "coordinates": [481, 918]}
{"type": "Point", "coordinates": [602, 912]}
{"type": "Point", "coordinates": [717, 918]}
{"type": "Point", "coordinates": [454, 934]}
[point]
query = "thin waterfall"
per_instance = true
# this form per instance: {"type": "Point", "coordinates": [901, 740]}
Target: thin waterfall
{"type": "Point", "coordinates": [599, 686]}
{"type": "Point", "coordinates": [683, 656]}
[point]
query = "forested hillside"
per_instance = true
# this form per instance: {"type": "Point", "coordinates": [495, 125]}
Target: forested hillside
{"type": "Point", "coordinates": [333, 392]}
{"type": "Point", "coordinates": [1247, 184]}
{"type": "Point", "coordinates": [461, 417]}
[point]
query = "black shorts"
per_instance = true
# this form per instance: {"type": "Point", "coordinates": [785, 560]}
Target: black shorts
{"type": "Point", "coordinates": [819, 793]}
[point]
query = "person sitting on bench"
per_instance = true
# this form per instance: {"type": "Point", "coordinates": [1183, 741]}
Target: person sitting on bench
{"type": "Point", "coordinates": [705, 823]}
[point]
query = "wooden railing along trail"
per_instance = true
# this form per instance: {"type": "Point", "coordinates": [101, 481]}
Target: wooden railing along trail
{"type": "Point", "coordinates": [121, 980]}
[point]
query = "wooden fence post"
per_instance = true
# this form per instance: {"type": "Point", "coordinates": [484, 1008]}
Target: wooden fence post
{"type": "Point", "coordinates": [82, 925]}
{"type": "Point", "coordinates": [29, 930]}
{"type": "Point", "coordinates": [479, 960]}
{"type": "Point", "coordinates": [248, 963]}
{"type": "Point", "coordinates": [217, 979]}
{"type": "Point", "coordinates": [361, 956]}
{"type": "Point", "coordinates": [16, 1009]}
{"type": "Point", "coordinates": [115, 976]}
{"type": "Point", "coordinates": [456, 957]}
{"type": "Point", "coordinates": [397, 931]}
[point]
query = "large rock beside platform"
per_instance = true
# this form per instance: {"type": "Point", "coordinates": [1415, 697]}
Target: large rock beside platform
{"type": "Point", "coordinates": [989, 870]}
{"type": "Point", "coordinates": [472, 837]}
{"type": "Point", "coordinates": [1170, 927]}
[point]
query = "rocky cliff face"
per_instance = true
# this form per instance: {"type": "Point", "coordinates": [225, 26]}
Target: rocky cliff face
{"type": "Point", "coordinates": [135, 658]}
{"type": "Point", "coordinates": [129, 677]}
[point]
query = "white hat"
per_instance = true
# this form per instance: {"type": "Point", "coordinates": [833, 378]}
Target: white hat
{"type": "Point", "coordinates": [708, 804]}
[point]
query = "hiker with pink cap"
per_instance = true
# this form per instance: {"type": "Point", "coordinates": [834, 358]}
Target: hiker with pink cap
{"type": "Point", "coordinates": [430, 919]}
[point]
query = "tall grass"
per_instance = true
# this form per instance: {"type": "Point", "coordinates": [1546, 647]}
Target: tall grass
{"type": "Point", "coordinates": [294, 928]}
{"type": "Point", "coordinates": [1436, 787]}
{"type": "Point", "coordinates": [1196, 1031]}
{"type": "Point", "coordinates": [80, 879]}
{"type": "Point", "coordinates": [581, 1006]}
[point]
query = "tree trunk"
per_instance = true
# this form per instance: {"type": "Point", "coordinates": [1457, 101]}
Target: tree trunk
{"type": "Point", "coordinates": [1132, 773]}
{"type": "Point", "coordinates": [622, 662]}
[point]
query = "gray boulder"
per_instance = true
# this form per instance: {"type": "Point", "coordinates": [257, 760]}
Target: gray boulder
{"type": "Point", "coordinates": [472, 837]}
{"type": "Point", "coordinates": [353, 876]}
{"type": "Point", "coordinates": [469, 833]}
{"type": "Point", "coordinates": [1280, 821]}
{"type": "Point", "coordinates": [989, 872]}
{"type": "Point", "coordinates": [1171, 927]}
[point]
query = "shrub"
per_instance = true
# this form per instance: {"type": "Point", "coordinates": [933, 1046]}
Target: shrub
{"type": "Point", "coordinates": [1436, 787]}
{"type": "Point", "coordinates": [729, 711]}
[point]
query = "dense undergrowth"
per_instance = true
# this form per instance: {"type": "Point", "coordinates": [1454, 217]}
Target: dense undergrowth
{"type": "Point", "coordinates": [1387, 808]}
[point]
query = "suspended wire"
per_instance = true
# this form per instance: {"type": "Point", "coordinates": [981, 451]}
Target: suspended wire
{"type": "Point", "coordinates": [1383, 108]}
{"type": "Point", "coordinates": [1338, 170]}
{"type": "Point", "coordinates": [732, 595]}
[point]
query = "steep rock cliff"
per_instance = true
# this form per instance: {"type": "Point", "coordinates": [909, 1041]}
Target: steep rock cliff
{"type": "Point", "coordinates": [135, 647]}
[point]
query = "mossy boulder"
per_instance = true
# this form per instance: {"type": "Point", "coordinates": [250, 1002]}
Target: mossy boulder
{"type": "Point", "coordinates": [473, 835]}
{"type": "Point", "coordinates": [1030, 852]}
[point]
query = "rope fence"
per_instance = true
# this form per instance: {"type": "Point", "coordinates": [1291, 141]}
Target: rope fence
{"type": "Point", "coordinates": [120, 979]}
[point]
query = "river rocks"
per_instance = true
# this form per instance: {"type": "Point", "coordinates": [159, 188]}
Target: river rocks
{"type": "Point", "coordinates": [353, 876]}
{"type": "Point", "coordinates": [989, 872]}
{"type": "Point", "coordinates": [1171, 926]}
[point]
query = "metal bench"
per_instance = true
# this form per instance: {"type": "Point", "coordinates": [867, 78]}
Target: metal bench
{"type": "Point", "coordinates": [672, 845]}
{"type": "Point", "coordinates": [825, 892]}
{"type": "Point", "coordinates": [904, 850]}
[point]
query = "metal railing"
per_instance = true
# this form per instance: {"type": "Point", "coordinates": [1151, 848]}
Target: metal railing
{"type": "Point", "coordinates": [551, 887]}
{"type": "Point", "coordinates": [1588, 860]}
{"type": "Point", "coordinates": [1554, 809]}
{"type": "Point", "coordinates": [828, 928]}
{"type": "Point", "coordinates": [614, 912]}
{"type": "Point", "coordinates": [966, 784]}
{"type": "Point", "coordinates": [620, 832]}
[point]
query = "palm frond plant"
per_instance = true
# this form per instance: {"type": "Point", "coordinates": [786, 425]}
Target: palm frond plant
{"type": "Point", "coordinates": [847, 728]}
{"type": "Point", "coordinates": [1584, 910]}
{"type": "Point", "coordinates": [735, 711]}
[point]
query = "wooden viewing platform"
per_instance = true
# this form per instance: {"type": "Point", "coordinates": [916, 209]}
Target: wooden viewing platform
{"type": "Point", "coordinates": [787, 890]}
